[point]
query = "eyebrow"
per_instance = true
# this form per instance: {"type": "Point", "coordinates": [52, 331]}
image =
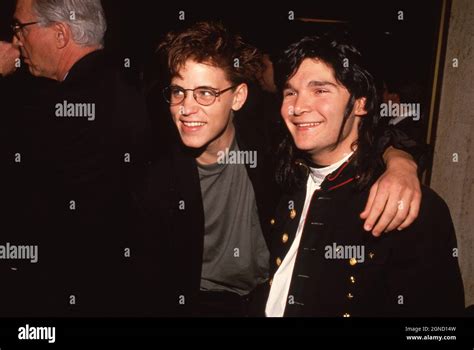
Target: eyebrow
{"type": "Point", "coordinates": [312, 83]}
{"type": "Point", "coordinates": [198, 87]}
{"type": "Point", "coordinates": [207, 87]}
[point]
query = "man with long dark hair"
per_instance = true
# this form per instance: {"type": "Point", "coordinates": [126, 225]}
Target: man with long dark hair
{"type": "Point", "coordinates": [323, 262]}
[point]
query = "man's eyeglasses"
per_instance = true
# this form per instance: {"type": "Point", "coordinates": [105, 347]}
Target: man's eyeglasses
{"type": "Point", "coordinates": [17, 27]}
{"type": "Point", "coordinates": [205, 96]}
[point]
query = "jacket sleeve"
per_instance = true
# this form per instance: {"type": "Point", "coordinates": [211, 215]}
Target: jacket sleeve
{"type": "Point", "coordinates": [425, 278]}
{"type": "Point", "coordinates": [387, 136]}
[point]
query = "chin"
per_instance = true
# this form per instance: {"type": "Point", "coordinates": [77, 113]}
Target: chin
{"type": "Point", "coordinates": [193, 142]}
{"type": "Point", "coordinates": [304, 145]}
{"type": "Point", "coordinates": [36, 73]}
{"type": "Point", "coordinates": [32, 71]}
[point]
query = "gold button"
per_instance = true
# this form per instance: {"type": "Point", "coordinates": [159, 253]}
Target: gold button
{"type": "Point", "coordinates": [350, 296]}
{"type": "Point", "coordinates": [278, 261]}
{"type": "Point", "coordinates": [346, 315]}
{"type": "Point", "coordinates": [371, 255]}
{"type": "Point", "coordinates": [292, 214]}
{"type": "Point", "coordinates": [284, 238]}
{"type": "Point", "coordinates": [353, 280]}
{"type": "Point", "coordinates": [272, 221]}
{"type": "Point", "coordinates": [353, 261]}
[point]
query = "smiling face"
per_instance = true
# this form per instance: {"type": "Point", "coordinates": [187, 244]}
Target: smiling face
{"type": "Point", "coordinates": [313, 108]}
{"type": "Point", "coordinates": [207, 127]}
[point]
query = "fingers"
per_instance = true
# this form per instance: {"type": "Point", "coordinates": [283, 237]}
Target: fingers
{"type": "Point", "coordinates": [370, 201]}
{"type": "Point", "coordinates": [387, 215]}
{"type": "Point", "coordinates": [390, 213]}
{"type": "Point", "coordinates": [393, 201]}
{"type": "Point", "coordinates": [377, 208]}
{"type": "Point", "coordinates": [9, 53]}
{"type": "Point", "coordinates": [413, 213]}
{"type": "Point", "coordinates": [403, 208]}
{"type": "Point", "coordinates": [8, 50]}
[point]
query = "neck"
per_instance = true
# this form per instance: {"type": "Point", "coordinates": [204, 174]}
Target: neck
{"type": "Point", "coordinates": [71, 57]}
{"type": "Point", "coordinates": [333, 155]}
{"type": "Point", "coordinates": [211, 153]}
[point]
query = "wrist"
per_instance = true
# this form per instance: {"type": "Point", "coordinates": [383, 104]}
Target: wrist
{"type": "Point", "coordinates": [397, 158]}
{"type": "Point", "coordinates": [402, 161]}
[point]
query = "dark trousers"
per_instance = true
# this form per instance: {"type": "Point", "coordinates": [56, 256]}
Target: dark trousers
{"type": "Point", "coordinates": [228, 304]}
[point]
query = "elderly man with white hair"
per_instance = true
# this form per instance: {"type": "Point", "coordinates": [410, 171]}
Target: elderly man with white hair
{"type": "Point", "coordinates": [79, 136]}
{"type": "Point", "coordinates": [54, 35]}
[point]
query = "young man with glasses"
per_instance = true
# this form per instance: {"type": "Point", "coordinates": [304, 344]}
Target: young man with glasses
{"type": "Point", "coordinates": [203, 216]}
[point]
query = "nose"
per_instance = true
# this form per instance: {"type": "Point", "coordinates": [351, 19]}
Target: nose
{"type": "Point", "coordinates": [16, 41]}
{"type": "Point", "coordinates": [301, 106]}
{"type": "Point", "coordinates": [189, 105]}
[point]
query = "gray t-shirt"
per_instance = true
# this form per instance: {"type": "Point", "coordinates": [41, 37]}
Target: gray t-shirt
{"type": "Point", "coordinates": [236, 257]}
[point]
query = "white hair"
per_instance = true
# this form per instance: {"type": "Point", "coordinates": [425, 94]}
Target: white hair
{"type": "Point", "coordinates": [85, 18]}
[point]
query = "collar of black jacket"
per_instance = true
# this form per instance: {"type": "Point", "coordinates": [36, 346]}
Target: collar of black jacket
{"type": "Point", "coordinates": [344, 175]}
{"type": "Point", "coordinates": [87, 65]}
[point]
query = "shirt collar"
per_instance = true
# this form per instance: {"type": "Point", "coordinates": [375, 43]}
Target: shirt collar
{"type": "Point", "coordinates": [319, 174]}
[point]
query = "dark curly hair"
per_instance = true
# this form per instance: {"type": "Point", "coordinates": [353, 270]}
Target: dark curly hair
{"type": "Point", "coordinates": [211, 43]}
{"type": "Point", "coordinates": [350, 70]}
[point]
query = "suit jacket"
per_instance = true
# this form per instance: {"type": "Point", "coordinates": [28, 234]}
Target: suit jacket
{"type": "Point", "coordinates": [414, 272]}
{"type": "Point", "coordinates": [75, 198]}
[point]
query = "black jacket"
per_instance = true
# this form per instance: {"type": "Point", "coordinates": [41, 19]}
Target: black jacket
{"type": "Point", "coordinates": [168, 254]}
{"type": "Point", "coordinates": [414, 272]}
{"type": "Point", "coordinates": [171, 238]}
{"type": "Point", "coordinates": [74, 191]}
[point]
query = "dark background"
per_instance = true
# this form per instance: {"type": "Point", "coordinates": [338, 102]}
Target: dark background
{"type": "Point", "coordinates": [400, 50]}
{"type": "Point", "coordinates": [404, 48]}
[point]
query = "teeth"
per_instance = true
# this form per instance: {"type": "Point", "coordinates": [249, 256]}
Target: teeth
{"type": "Point", "coordinates": [193, 124]}
{"type": "Point", "coordinates": [307, 125]}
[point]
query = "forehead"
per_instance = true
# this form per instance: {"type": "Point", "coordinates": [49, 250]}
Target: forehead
{"type": "Point", "coordinates": [24, 9]}
{"type": "Point", "coordinates": [312, 69]}
{"type": "Point", "coordinates": [200, 74]}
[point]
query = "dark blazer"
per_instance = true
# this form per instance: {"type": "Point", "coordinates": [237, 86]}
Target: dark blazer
{"type": "Point", "coordinates": [64, 159]}
{"type": "Point", "coordinates": [407, 273]}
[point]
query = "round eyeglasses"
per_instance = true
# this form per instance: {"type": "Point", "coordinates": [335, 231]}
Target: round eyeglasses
{"type": "Point", "coordinates": [203, 95]}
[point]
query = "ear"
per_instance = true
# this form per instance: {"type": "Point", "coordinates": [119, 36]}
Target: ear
{"type": "Point", "coordinates": [240, 96]}
{"type": "Point", "coordinates": [62, 34]}
{"type": "Point", "coordinates": [359, 107]}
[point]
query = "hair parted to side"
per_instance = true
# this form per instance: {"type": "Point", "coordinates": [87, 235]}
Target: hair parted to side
{"type": "Point", "coordinates": [211, 43]}
{"type": "Point", "coordinates": [86, 18]}
{"type": "Point", "coordinates": [351, 70]}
